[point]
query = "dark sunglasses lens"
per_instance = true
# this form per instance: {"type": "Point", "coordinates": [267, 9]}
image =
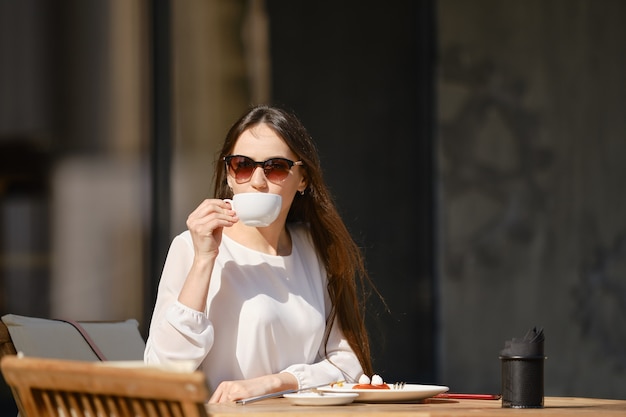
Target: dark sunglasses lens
{"type": "Point", "coordinates": [276, 169]}
{"type": "Point", "coordinates": [241, 167]}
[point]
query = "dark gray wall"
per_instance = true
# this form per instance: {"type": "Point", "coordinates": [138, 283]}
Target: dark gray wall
{"type": "Point", "coordinates": [531, 147]}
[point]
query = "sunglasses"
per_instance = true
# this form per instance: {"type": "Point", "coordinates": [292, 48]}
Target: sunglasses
{"type": "Point", "coordinates": [276, 170]}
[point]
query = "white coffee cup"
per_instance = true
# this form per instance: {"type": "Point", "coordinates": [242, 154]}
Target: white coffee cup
{"type": "Point", "coordinates": [256, 209]}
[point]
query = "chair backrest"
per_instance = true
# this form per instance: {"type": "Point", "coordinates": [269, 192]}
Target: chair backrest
{"type": "Point", "coordinates": [58, 339]}
{"type": "Point", "coordinates": [55, 387]}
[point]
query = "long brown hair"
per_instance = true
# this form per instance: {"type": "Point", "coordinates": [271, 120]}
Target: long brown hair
{"type": "Point", "coordinates": [348, 281]}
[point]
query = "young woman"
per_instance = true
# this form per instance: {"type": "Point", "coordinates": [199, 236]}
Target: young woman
{"type": "Point", "coordinates": [264, 309]}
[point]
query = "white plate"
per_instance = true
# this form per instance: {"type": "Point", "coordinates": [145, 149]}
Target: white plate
{"type": "Point", "coordinates": [312, 398]}
{"type": "Point", "coordinates": [410, 392]}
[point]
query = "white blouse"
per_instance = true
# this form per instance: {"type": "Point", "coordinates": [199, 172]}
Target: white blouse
{"type": "Point", "coordinates": [265, 314]}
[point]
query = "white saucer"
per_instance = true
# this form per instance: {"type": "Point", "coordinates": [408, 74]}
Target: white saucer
{"type": "Point", "coordinates": [327, 398]}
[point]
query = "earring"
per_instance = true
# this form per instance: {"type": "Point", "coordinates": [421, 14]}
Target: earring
{"type": "Point", "coordinates": [302, 192]}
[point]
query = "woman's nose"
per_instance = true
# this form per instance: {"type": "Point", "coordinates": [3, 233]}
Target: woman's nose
{"type": "Point", "coordinates": [258, 178]}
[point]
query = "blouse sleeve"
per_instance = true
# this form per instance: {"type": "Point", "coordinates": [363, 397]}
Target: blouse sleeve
{"type": "Point", "coordinates": [337, 362]}
{"type": "Point", "coordinates": [177, 332]}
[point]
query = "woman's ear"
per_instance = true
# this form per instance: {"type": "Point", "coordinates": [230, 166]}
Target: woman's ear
{"type": "Point", "coordinates": [302, 186]}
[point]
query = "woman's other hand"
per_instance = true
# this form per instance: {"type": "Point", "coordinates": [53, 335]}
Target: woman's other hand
{"type": "Point", "coordinates": [229, 391]}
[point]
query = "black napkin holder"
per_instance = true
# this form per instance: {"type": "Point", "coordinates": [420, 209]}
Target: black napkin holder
{"type": "Point", "coordinates": [522, 371]}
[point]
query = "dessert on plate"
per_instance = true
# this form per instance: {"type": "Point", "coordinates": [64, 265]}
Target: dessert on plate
{"type": "Point", "coordinates": [375, 383]}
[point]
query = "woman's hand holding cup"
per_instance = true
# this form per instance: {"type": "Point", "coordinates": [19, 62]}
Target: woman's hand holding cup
{"type": "Point", "coordinates": [206, 223]}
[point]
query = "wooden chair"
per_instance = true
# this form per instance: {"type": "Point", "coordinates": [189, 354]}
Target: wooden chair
{"type": "Point", "coordinates": [64, 388]}
{"type": "Point", "coordinates": [60, 339]}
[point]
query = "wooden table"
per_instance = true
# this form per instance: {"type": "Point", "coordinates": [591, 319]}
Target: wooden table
{"type": "Point", "coordinates": [554, 406]}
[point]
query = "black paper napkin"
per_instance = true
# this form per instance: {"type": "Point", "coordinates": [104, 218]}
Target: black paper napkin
{"type": "Point", "coordinates": [531, 345]}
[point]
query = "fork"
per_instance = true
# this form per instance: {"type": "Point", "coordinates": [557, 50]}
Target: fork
{"type": "Point", "coordinates": [399, 385]}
